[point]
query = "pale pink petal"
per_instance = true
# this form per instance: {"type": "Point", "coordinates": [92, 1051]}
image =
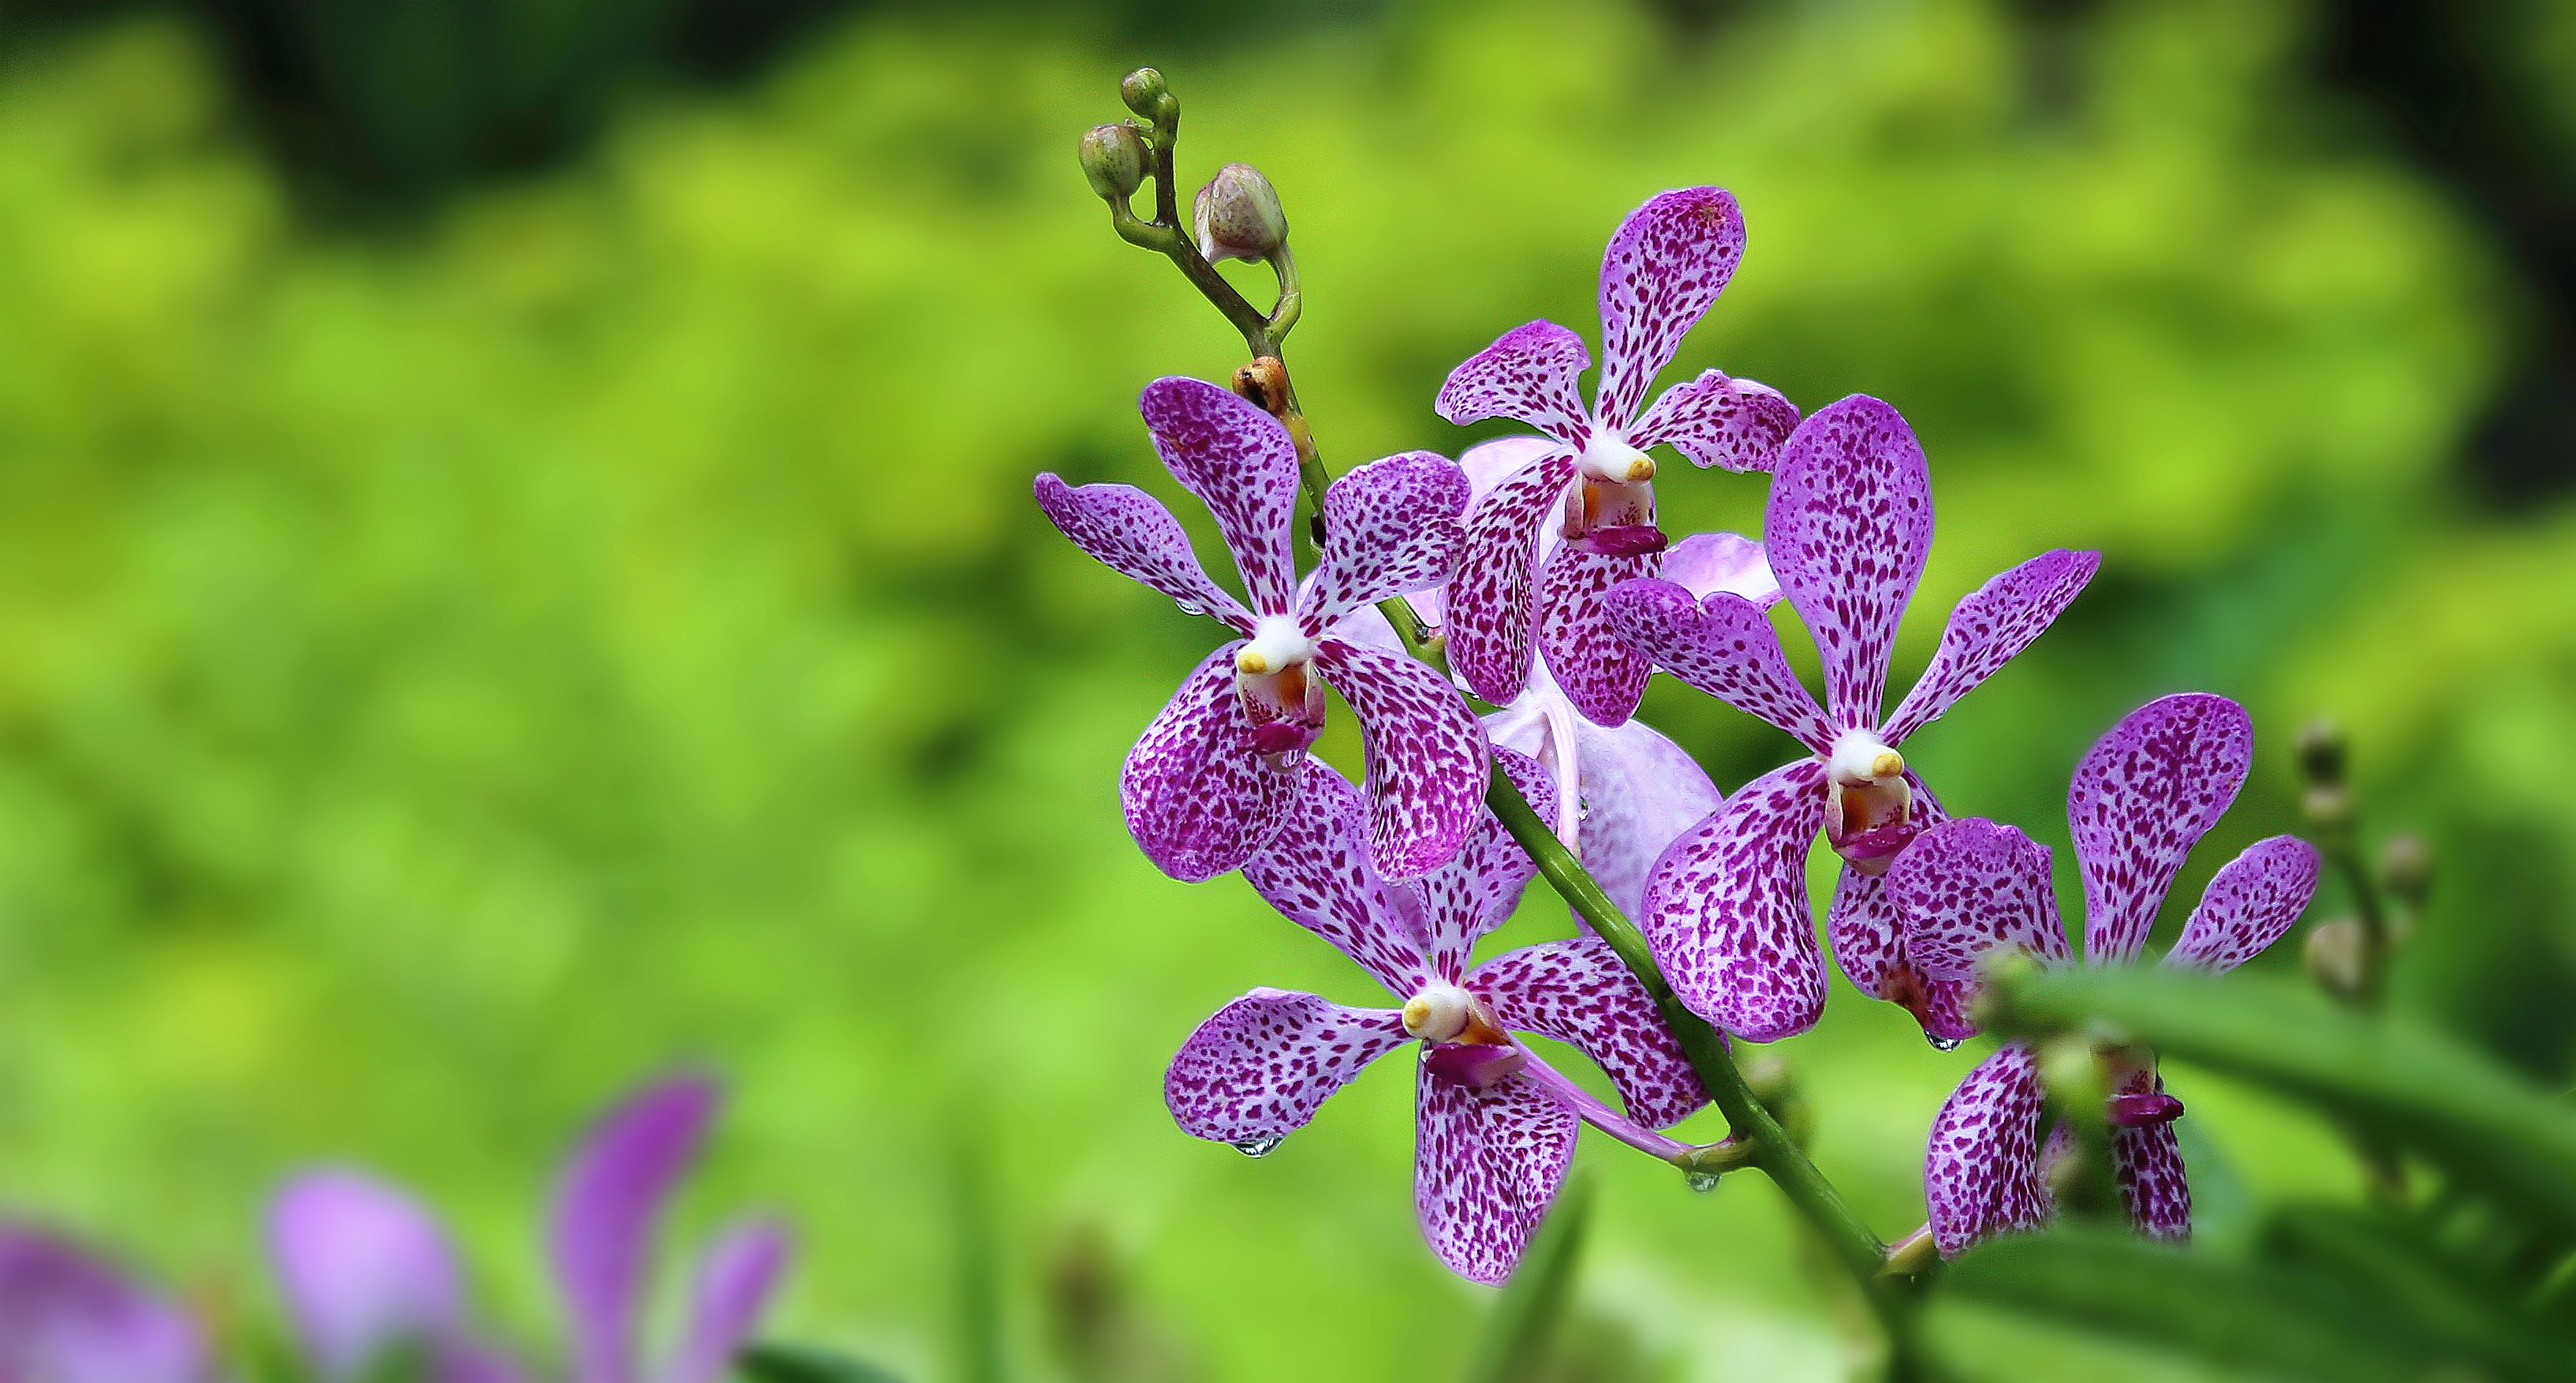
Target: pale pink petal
{"type": "Point", "coordinates": [608, 1210]}
{"type": "Point", "coordinates": [1724, 646]}
{"type": "Point", "coordinates": [1390, 528]}
{"type": "Point", "coordinates": [1424, 756]}
{"type": "Point", "coordinates": [1477, 889]}
{"type": "Point", "coordinates": [1848, 527]}
{"type": "Point", "coordinates": [1527, 375]}
{"type": "Point", "coordinates": [1971, 887]}
{"type": "Point", "coordinates": [2146, 1161]}
{"type": "Point", "coordinates": [1982, 1173]}
{"type": "Point", "coordinates": [1600, 674]}
{"type": "Point", "coordinates": [1988, 628]}
{"type": "Point", "coordinates": [1726, 909]}
{"type": "Point", "coordinates": [1197, 798]}
{"type": "Point", "coordinates": [1579, 993]}
{"type": "Point", "coordinates": [364, 1270]}
{"type": "Point", "coordinates": [733, 1284]}
{"type": "Point", "coordinates": [1640, 792]}
{"type": "Point", "coordinates": [2249, 904]}
{"type": "Point", "coordinates": [2142, 797]}
{"type": "Point", "coordinates": [1490, 620]}
{"type": "Point", "coordinates": [1486, 1166]}
{"type": "Point", "coordinates": [1316, 872]}
{"type": "Point", "coordinates": [1136, 536]}
{"type": "Point", "coordinates": [1489, 464]}
{"type": "Point", "coordinates": [1707, 563]}
{"type": "Point", "coordinates": [1665, 264]}
{"type": "Point", "coordinates": [1717, 421]}
{"type": "Point", "coordinates": [1259, 1067]}
{"type": "Point", "coordinates": [1239, 461]}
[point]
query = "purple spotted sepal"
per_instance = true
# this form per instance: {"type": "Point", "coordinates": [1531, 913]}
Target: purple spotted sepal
{"type": "Point", "coordinates": [1847, 530]}
{"type": "Point", "coordinates": [1214, 777]}
{"type": "Point", "coordinates": [1967, 890]}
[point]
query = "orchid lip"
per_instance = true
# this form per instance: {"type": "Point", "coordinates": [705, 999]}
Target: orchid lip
{"type": "Point", "coordinates": [1622, 540]}
{"type": "Point", "coordinates": [1475, 1065]}
{"type": "Point", "coordinates": [2143, 1110]}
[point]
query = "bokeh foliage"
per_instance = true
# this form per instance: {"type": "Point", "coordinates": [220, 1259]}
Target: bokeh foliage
{"type": "Point", "coordinates": [453, 668]}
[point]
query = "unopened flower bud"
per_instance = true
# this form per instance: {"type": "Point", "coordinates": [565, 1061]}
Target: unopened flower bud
{"type": "Point", "coordinates": [2406, 865]}
{"type": "Point", "coordinates": [1113, 158]}
{"type": "Point", "coordinates": [2328, 807]}
{"type": "Point", "coordinates": [2333, 952]}
{"type": "Point", "coordinates": [1144, 91]}
{"type": "Point", "coordinates": [1238, 216]}
{"type": "Point", "coordinates": [2321, 751]}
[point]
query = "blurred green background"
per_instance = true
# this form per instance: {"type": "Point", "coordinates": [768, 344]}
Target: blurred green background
{"type": "Point", "coordinates": [516, 570]}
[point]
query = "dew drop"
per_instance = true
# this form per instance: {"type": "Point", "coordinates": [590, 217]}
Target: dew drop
{"type": "Point", "coordinates": [1944, 1044]}
{"type": "Point", "coordinates": [1259, 1147]}
{"type": "Point", "coordinates": [1702, 1182]}
{"type": "Point", "coordinates": [1189, 607]}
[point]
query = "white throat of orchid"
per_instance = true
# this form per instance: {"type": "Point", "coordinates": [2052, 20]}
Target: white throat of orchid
{"type": "Point", "coordinates": [1609, 458]}
{"type": "Point", "coordinates": [1611, 508]}
{"type": "Point", "coordinates": [1439, 1013]}
{"type": "Point", "coordinates": [1277, 645]}
{"type": "Point", "coordinates": [1284, 701]}
{"type": "Point", "coordinates": [1869, 806]}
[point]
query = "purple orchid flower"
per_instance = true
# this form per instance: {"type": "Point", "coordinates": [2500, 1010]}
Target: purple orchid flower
{"type": "Point", "coordinates": [1591, 482]}
{"type": "Point", "coordinates": [67, 1316]}
{"type": "Point", "coordinates": [1215, 775]}
{"type": "Point", "coordinates": [2140, 800]}
{"type": "Point", "coordinates": [1496, 1125]}
{"type": "Point", "coordinates": [1848, 527]}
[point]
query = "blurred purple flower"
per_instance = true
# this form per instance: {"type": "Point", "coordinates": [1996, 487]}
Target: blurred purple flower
{"type": "Point", "coordinates": [1589, 481]}
{"type": "Point", "coordinates": [1847, 529]}
{"type": "Point", "coordinates": [68, 1317]}
{"type": "Point", "coordinates": [2140, 800]}
{"type": "Point", "coordinates": [1496, 1125]}
{"type": "Point", "coordinates": [1213, 778]}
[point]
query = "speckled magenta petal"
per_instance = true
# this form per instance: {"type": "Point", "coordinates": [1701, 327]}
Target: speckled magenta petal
{"type": "Point", "coordinates": [1724, 646]}
{"type": "Point", "coordinates": [1966, 888]}
{"type": "Point", "coordinates": [1579, 993]}
{"type": "Point", "coordinates": [1726, 909]}
{"type": "Point", "coordinates": [2146, 1161]}
{"type": "Point", "coordinates": [1390, 527]}
{"type": "Point", "coordinates": [1527, 375]}
{"type": "Point", "coordinates": [1982, 1173]}
{"type": "Point", "coordinates": [1600, 674]}
{"type": "Point", "coordinates": [1665, 265]}
{"type": "Point", "coordinates": [1707, 563]}
{"type": "Point", "coordinates": [1196, 797]}
{"type": "Point", "coordinates": [1135, 535]}
{"type": "Point", "coordinates": [1717, 421]}
{"type": "Point", "coordinates": [1316, 872]}
{"type": "Point", "coordinates": [1988, 628]}
{"type": "Point", "coordinates": [1489, 602]}
{"type": "Point", "coordinates": [1425, 756]}
{"type": "Point", "coordinates": [1640, 792]}
{"type": "Point", "coordinates": [1239, 462]}
{"type": "Point", "coordinates": [608, 1212]}
{"type": "Point", "coordinates": [1486, 1165]}
{"type": "Point", "coordinates": [727, 1294]}
{"type": "Point", "coordinates": [1489, 464]}
{"type": "Point", "coordinates": [1848, 527]}
{"type": "Point", "coordinates": [68, 1317]}
{"type": "Point", "coordinates": [2142, 797]}
{"type": "Point", "coordinates": [1259, 1067]}
{"type": "Point", "coordinates": [1476, 890]}
{"type": "Point", "coordinates": [2250, 902]}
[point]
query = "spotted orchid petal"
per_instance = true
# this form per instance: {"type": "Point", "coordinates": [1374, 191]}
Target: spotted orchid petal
{"type": "Point", "coordinates": [2146, 1162]}
{"type": "Point", "coordinates": [1579, 993]}
{"type": "Point", "coordinates": [1240, 462]}
{"type": "Point", "coordinates": [2141, 798]}
{"type": "Point", "coordinates": [1717, 421]}
{"type": "Point", "coordinates": [1726, 909]}
{"type": "Point", "coordinates": [1527, 375]}
{"type": "Point", "coordinates": [2250, 902]}
{"type": "Point", "coordinates": [1599, 672]}
{"type": "Point", "coordinates": [1487, 1163]}
{"type": "Point", "coordinates": [1133, 534]}
{"type": "Point", "coordinates": [1848, 527]}
{"type": "Point", "coordinates": [607, 1210]}
{"type": "Point", "coordinates": [366, 1273]}
{"type": "Point", "coordinates": [1425, 757]}
{"type": "Point", "coordinates": [1665, 265]}
{"type": "Point", "coordinates": [1390, 528]}
{"type": "Point", "coordinates": [1982, 1173]}
{"type": "Point", "coordinates": [1261, 1066]}
{"type": "Point", "coordinates": [1988, 628]}
{"type": "Point", "coordinates": [1707, 563]}
{"type": "Point", "coordinates": [734, 1281]}
{"type": "Point", "coordinates": [1973, 887]}
{"type": "Point", "coordinates": [1316, 872]}
{"type": "Point", "coordinates": [1476, 890]}
{"type": "Point", "coordinates": [1489, 600]}
{"type": "Point", "coordinates": [1866, 930]}
{"type": "Point", "coordinates": [1724, 646]}
{"type": "Point", "coordinates": [1197, 798]}
{"type": "Point", "coordinates": [67, 1317]}
{"type": "Point", "coordinates": [1639, 792]}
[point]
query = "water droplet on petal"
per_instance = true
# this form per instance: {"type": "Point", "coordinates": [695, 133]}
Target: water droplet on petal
{"type": "Point", "coordinates": [1191, 607]}
{"type": "Point", "coordinates": [1259, 1147]}
{"type": "Point", "coordinates": [1943, 1044]}
{"type": "Point", "coordinates": [1702, 1182]}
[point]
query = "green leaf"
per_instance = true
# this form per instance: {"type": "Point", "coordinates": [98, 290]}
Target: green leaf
{"type": "Point", "coordinates": [779, 1363]}
{"type": "Point", "coordinates": [1533, 1304]}
{"type": "Point", "coordinates": [2418, 1288]}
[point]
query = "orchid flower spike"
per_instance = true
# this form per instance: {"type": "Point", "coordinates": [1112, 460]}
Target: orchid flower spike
{"type": "Point", "coordinates": [1496, 1124]}
{"type": "Point", "coordinates": [1215, 775]}
{"type": "Point", "coordinates": [2144, 796]}
{"type": "Point", "coordinates": [1847, 529]}
{"type": "Point", "coordinates": [1578, 517]}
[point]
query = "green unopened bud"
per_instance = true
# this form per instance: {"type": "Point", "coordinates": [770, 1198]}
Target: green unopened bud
{"type": "Point", "coordinates": [1144, 91]}
{"type": "Point", "coordinates": [1238, 216]}
{"type": "Point", "coordinates": [1113, 158]}
{"type": "Point", "coordinates": [2406, 865]}
{"type": "Point", "coordinates": [2321, 751]}
{"type": "Point", "coordinates": [2328, 807]}
{"type": "Point", "coordinates": [2333, 952]}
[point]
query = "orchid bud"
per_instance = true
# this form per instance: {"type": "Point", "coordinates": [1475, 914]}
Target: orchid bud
{"type": "Point", "coordinates": [1238, 216]}
{"type": "Point", "coordinates": [1144, 91]}
{"type": "Point", "coordinates": [2321, 751]}
{"type": "Point", "coordinates": [1113, 158]}
{"type": "Point", "coordinates": [2333, 955]}
{"type": "Point", "coordinates": [2406, 865]}
{"type": "Point", "coordinates": [2328, 807]}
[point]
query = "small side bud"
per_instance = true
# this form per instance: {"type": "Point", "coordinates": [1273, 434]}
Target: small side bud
{"type": "Point", "coordinates": [2406, 866]}
{"type": "Point", "coordinates": [1144, 91]}
{"type": "Point", "coordinates": [2328, 807]}
{"type": "Point", "coordinates": [2322, 751]}
{"type": "Point", "coordinates": [2333, 952]}
{"type": "Point", "coordinates": [1238, 216]}
{"type": "Point", "coordinates": [1265, 382]}
{"type": "Point", "coordinates": [1113, 159]}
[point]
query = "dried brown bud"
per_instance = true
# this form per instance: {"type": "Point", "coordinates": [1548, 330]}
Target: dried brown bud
{"type": "Point", "coordinates": [1265, 382]}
